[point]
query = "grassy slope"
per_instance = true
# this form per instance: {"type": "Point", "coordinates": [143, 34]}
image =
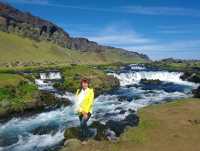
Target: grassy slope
{"type": "Point", "coordinates": [10, 79]}
{"type": "Point", "coordinates": [173, 126]}
{"type": "Point", "coordinates": [14, 48]}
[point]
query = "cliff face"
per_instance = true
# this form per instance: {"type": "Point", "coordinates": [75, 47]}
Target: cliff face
{"type": "Point", "coordinates": [26, 25]}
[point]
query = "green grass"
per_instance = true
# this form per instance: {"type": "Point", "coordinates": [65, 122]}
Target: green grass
{"type": "Point", "coordinates": [17, 51]}
{"type": "Point", "coordinates": [15, 93]}
{"type": "Point", "coordinates": [185, 65]}
{"type": "Point", "coordinates": [10, 79]}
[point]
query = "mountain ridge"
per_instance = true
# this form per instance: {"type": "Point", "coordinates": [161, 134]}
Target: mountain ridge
{"type": "Point", "coordinates": [26, 25]}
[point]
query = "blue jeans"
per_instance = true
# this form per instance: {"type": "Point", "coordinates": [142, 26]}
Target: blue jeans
{"type": "Point", "coordinates": [84, 127]}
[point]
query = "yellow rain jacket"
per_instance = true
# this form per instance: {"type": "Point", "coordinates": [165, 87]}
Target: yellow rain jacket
{"type": "Point", "coordinates": [87, 103]}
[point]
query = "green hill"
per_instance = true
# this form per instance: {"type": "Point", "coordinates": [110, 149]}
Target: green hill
{"type": "Point", "coordinates": [18, 51]}
{"type": "Point", "coordinates": [27, 40]}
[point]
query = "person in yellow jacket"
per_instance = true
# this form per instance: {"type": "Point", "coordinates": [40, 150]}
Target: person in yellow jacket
{"type": "Point", "coordinates": [84, 106]}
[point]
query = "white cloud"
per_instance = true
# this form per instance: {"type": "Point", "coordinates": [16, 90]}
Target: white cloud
{"type": "Point", "coordinates": [128, 38]}
{"type": "Point", "coordinates": [180, 45]}
{"type": "Point", "coordinates": [119, 36]}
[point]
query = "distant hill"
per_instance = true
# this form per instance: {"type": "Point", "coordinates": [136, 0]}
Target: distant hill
{"type": "Point", "coordinates": [35, 40]}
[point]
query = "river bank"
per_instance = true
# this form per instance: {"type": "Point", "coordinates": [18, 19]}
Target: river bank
{"type": "Point", "coordinates": [172, 126]}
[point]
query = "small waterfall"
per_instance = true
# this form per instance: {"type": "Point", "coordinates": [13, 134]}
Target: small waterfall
{"type": "Point", "coordinates": [50, 76]}
{"type": "Point", "coordinates": [46, 80]}
{"type": "Point", "coordinates": [137, 67]}
{"type": "Point", "coordinates": [135, 77]}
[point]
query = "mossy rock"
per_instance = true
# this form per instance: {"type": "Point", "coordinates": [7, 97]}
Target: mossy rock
{"type": "Point", "coordinates": [73, 132]}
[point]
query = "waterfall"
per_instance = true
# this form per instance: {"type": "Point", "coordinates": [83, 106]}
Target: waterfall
{"type": "Point", "coordinates": [137, 67]}
{"type": "Point", "coordinates": [135, 77]}
{"type": "Point", "coordinates": [50, 76]}
{"type": "Point", "coordinates": [46, 80]}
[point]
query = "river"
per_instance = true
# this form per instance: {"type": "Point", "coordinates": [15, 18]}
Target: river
{"type": "Point", "coordinates": [44, 131]}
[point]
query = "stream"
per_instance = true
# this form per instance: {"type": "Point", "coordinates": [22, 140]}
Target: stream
{"type": "Point", "coordinates": [44, 131]}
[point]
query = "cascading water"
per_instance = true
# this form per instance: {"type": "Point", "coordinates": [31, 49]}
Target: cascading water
{"type": "Point", "coordinates": [50, 76]}
{"type": "Point", "coordinates": [136, 77]}
{"type": "Point", "coordinates": [45, 81]}
{"type": "Point", "coordinates": [45, 130]}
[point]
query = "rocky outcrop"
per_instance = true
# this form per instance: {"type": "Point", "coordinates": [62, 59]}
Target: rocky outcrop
{"type": "Point", "coordinates": [191, 76]}
{"type": "Point", "coordinates": [26, 25]}
{"type": "Point", "coordinates": [109, 131]}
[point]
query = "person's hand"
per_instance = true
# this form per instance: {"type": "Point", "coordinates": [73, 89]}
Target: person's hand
{"type": "Point", "coordinates": [85, 115]}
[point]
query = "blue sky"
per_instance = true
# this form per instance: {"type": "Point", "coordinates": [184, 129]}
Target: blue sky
{"type": "Point", "coordinates": [158, 28]}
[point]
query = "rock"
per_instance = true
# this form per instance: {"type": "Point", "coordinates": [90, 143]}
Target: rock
{"type": "Point", "coordinates": [73, 132]}
{"type": "Point", "coordinates": [196, 92]}
{"type": "Point", "coordinates": [131, 120]}
{"type": "Point", "coordinates": [119, 126]}
{"type": "Point", "coordinates": [116, 126]}
{"type": "Point", "coordinates": [131, 110]}
{"type": "Point", "coordinates": [41, 130]}
{"type": "Point", "coordinates": [110, 135]}
{"type": "Point", "coordinates": [101, 129]}
{"type": "Point", "coordinates": [125, 98]}
{"type": "Point", "coordinates": [191, 76]}
{"type": "Point", "coordinates": [122, 112]}
{"type": "Point", "coordinates": [153, 82]}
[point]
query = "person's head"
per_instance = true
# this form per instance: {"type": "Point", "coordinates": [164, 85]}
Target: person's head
{"type": "Point", "coordinates": [84, 83]}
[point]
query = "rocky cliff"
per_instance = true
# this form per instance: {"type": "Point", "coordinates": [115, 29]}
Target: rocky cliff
{"type": "Point", "coordinates": [24, 24]}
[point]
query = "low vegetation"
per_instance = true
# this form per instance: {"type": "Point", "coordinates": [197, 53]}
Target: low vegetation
{"type": "Point", "coordinates": [16, 94]}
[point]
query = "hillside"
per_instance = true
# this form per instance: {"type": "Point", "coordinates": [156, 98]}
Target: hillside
{"type": "Point", "coordinates": [18, 51]}
{"type": "Point", "coordinates": [37, 41]}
